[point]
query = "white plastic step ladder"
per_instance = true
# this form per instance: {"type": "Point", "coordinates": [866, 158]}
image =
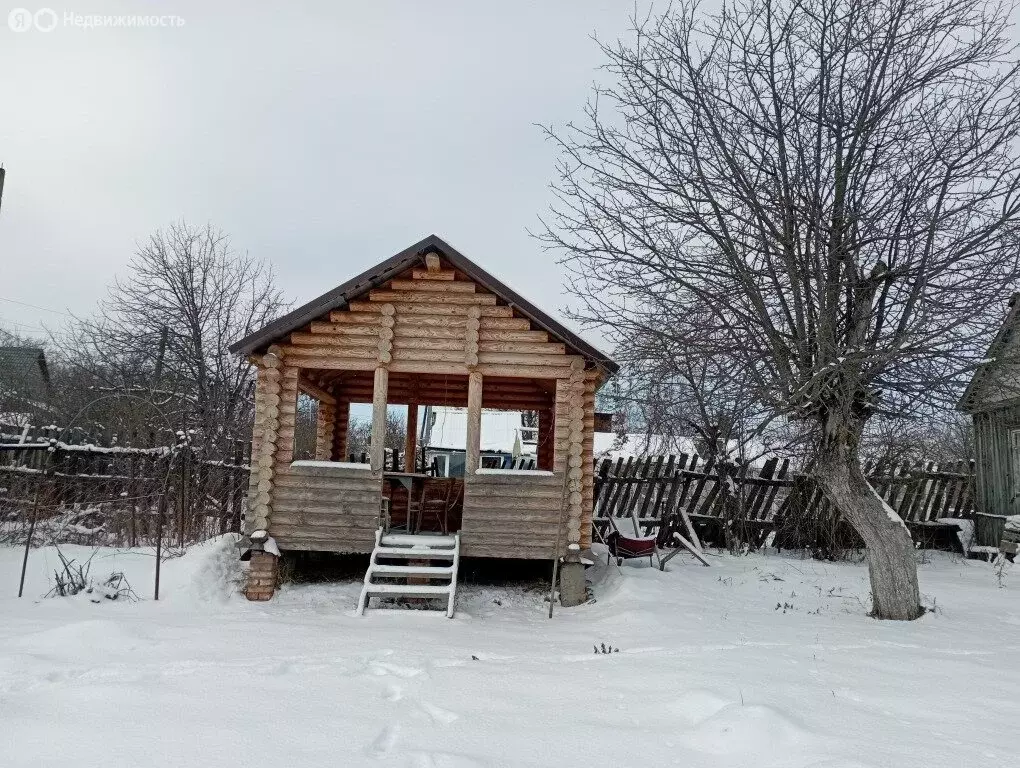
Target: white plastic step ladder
{"type": "Point", "coordinates": [440, 556]}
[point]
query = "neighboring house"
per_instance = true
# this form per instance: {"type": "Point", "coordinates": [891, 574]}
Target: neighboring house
{"type": "Point", "coordinates": [993, 400]}
{"type": "Point", "coordinates": [25, 392]}
{"type": "Point", "coordinates": [505, 442]}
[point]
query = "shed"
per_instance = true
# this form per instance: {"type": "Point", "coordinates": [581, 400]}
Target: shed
{"type": "Point", "coordinates": [993, 401]}
{"type": "Point", "coordinates": [425, 327]}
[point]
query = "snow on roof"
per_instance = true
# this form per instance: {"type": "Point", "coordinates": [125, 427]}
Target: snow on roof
{"type": "Point", "coordinates": [500, 430]}
{"type": "Point", "coordinates": [610, 445]}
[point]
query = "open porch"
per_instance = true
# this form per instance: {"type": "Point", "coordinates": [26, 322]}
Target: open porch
{"type": "Point", "coordinates": [426, 327]}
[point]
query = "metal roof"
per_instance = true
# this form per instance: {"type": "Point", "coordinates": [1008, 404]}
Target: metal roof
{"type": "Point", "coordinates": [341, 296]}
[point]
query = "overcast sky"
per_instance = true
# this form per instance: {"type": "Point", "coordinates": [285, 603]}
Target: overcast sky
{"type": "Point", "coordinates": [323, 137]}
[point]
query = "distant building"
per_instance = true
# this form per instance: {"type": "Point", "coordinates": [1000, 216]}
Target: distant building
{"type": "Point", "coordinates": [993, 401]}
{"type": "Point", "coordinates": [25, 392]}
{"type": "Point", "coordinates": [505, 443]}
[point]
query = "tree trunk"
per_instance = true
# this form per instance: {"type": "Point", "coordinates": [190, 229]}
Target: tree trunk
{"type": "Point", "coordinates": [891, 563]}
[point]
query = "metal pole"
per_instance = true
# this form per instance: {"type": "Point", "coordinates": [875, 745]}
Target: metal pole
{"type": "Point", "coordinates": [35, 516]}
{"type": "Point", "coordinates": [28, 539]}
{"type": "Point", "coordinates": [159, 538]}
{"type": "Point", "coordinates": [559, 537]}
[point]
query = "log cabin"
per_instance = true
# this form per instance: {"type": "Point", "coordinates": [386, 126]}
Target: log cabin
{"type": "Point", "coordinates": [425, 327]}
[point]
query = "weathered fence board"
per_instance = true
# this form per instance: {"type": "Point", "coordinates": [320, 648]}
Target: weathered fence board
{"type": "Point", "coordinates": [107, 492]}
{"type": "Point", "coordinates": [655, 492]}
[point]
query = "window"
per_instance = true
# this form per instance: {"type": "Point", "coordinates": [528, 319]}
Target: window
{"type": "Point", "coordinates": [492, 462]}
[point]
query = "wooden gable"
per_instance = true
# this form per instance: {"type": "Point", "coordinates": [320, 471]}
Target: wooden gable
{"type": "Point", "coordinates": [433, 320]}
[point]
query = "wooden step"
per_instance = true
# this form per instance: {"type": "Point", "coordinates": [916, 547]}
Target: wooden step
{"type": "Point", "coordinates": [408, 589]}
{"type": "Point", "coordinates": [412, 570]}
{"type": "Point", "coordinates": [417, 540]}
{"type": "Point", "coordinates": [412, 554]}
{"type": "Point", "coordinates": [412, 547]}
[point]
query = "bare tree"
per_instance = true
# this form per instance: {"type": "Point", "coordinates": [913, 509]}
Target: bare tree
{"type": "Point", "coordinates": [359, 433]}
{"type": "Point", "coordinates": [824, 194]}
{"type": "Point", "coordinates": [165, 327]}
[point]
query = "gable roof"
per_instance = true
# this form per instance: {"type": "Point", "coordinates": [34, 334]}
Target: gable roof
{"type": "Point", "coordinates": [410, 257]}
{"type": "Point", "coordinates": [998, 349]}
{"type": "Point", "coordinates": [24, 367]}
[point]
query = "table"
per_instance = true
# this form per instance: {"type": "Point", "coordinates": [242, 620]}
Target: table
{"type": "Point", "coordinates": [406, 479]}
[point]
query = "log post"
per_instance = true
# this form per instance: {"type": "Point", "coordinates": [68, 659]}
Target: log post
{"type": "Point", "coordinates": [325, 424]}
{"type": "Point", "coordinates": [411, 440]}
{"type": "Point", "coordinates": [342, 416]}
{"type": "Point", "coordinates": [379, 393]}
{"type": "Point", "coordinates": [570, 396]}
{"type": "Point", "coordinates": [264, 439]}
{"type": "Point", "coordinates": [546, 438]}
{"type": "Point", "coordinates": [473, 449]}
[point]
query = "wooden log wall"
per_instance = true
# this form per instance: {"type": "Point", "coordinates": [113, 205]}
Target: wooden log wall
{"type": "Point", "coordinates": [331, 509]}
{"type": "Point", "coordinates": [574, 446]}
{"type": "Point", "coordinates": [511, 515]}
{"type": "Point", "coordinates": [424, 322]}
{"type": "Point", "coordinates": [499, 392]}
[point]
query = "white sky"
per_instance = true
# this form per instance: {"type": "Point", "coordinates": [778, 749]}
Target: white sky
{"type": "Point", "coordinates": [323, 138]}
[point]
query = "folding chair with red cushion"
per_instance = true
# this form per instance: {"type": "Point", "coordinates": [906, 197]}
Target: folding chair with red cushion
{"type": "Point", "coordinates": [629, 547]}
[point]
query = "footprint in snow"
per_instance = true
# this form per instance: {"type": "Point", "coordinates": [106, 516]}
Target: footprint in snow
{"type": "Point", "coordinates": [383, 744]}
{"type": "Point", "coordinates": [393, 693]}
{"type": "Point", "coordinates": [384, 668]}
{"type": "Point", "coordinates": [439, 715]}
{"type": "Point", "coordinates": [446, 760]}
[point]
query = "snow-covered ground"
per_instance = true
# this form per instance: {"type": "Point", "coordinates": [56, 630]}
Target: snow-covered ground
{"type": "Point", "coordinates": [757, 661]}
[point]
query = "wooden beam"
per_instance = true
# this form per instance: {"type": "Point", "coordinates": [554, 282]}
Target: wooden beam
{"type": "Point", "coordinates": [378, 446]}
{"type": "Point", "coordinates": [433, 286]}
{"type": "Point", "coordinates": [439, 274]}
{"type": "Point", "coordinates": [432, 299]}
{"type": "Point", "coordinates": [411, 440]}
{"type": "Point", "coordinates": [311, 390]}
{"type": "Point", "coordinates": [432, 308]}
{"type": "Point", "coordinates": [473, 449]}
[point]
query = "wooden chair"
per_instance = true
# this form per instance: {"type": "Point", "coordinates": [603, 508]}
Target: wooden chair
{"type": "Point", "coordinates": [437, 498]}
{"type": "Point", "coordinates": [627, 547]}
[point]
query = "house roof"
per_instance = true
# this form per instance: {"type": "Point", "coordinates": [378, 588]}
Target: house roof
{"type": "Point", "coordinates": [997, 350]}
{"type": "Point", "coordinates": [24, 368]}
{"type": "Point", "coordinates": [341, 296]}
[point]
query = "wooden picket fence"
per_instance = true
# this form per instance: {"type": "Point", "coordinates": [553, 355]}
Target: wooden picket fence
{"type": "Point", "coordinates": [96, 493]}
{"type": "Point", "coordinates": [649, 496]}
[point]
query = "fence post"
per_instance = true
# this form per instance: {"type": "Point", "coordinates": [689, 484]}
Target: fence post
{"type": "Point", "coordinates": [133, 489]}
{"type": "Point", "coordinates": [35, 514]}
{"type": "Point", "coordinates": [237, 475]}
{"type": "Point", "coordinates": [160, 507]}
{"type": "Point", "coordinates": [185, 480]}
